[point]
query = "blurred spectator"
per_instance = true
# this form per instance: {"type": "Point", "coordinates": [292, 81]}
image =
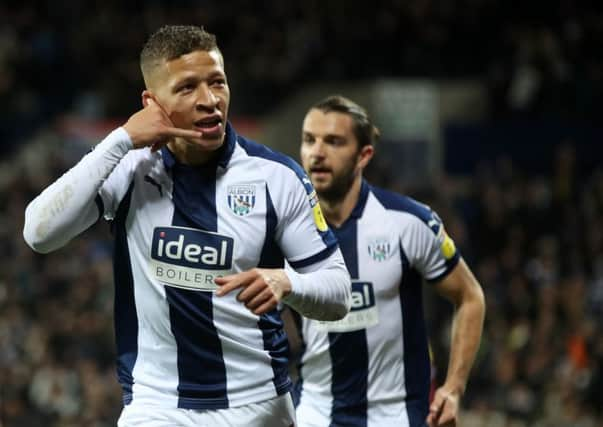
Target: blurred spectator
{"type": "Point", "coordinates": [538, 59]}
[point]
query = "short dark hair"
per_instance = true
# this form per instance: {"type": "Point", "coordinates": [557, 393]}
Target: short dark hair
{"type": "Point", "coordinates": [173, 41]}
{"type": "Point", "coordinates": [365, 131]}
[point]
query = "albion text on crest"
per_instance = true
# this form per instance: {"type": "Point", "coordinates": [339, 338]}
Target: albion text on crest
{"type": "Point", "coordinates": [241, 198]}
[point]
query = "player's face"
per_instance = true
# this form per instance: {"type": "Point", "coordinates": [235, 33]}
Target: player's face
{"type": "Point", "coordinates": [330, 153]}
{"type": "Point", "coordinates": [194, 92]}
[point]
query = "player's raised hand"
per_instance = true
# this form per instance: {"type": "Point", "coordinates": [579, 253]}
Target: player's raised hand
{"type": "Point", "coordinates": [443, 411]}
{"type": "Point", "coordinates": [262, 288]}
{"type": "Point", "coordinates": [152, 127]}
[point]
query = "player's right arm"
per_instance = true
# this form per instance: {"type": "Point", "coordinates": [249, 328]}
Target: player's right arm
{"type": "Point", "coordinates": [69, 205]}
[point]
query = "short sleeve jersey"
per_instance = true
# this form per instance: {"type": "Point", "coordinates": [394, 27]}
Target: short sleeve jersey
{"type": "Point", "coordinates": [372, 367]}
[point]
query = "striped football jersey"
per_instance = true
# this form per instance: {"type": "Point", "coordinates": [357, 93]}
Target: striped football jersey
{"type": "Point", "coordinates": [176, 229]}
{"type": "Point", "coordinates": [372, 368]}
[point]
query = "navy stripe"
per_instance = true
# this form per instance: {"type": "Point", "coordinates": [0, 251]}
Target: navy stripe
{"type": "Point", "coordinates": [277, 345]}
{"type": "Point", "coordinates": [201, 369]}
{"type": "Point", "coordinates": [398, 202]}
{"type": "Point", "coordinates": [126, 335]}
{"type": "Point", "coordinates": [271, 325]}
{"type": "Point", "coordinates": [416, 352]}
{"type": "Point", "coordinates": [299, 384]}
{"type": "Point", "coordinates": [349, 383]}
{"type": "Point", "coordinates": [324, 254]}
{"type": "Point", "coordinates": [258, 150]}
{"type": "Point", "coordinates": [271, 255]}
{"type": "Point", "coordinates": [297, 390]}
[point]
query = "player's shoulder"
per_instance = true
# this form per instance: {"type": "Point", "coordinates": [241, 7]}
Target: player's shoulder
{"type": "Point", "coordinates": [136, 162]}
{"type": "Point", "coordinates": [270, 157]}
{"type": "Point", "coordinates": [397, 202]}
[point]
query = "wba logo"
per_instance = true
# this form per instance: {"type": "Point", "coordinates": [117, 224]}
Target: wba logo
{"type": "Point", "coordinates": [241, 198]}
{"type": "Point", "coordinates": [190, 258]}
{"type": "Point", "coordinates": [380, 250]}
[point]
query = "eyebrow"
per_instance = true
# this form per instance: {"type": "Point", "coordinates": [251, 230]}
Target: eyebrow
{"type": "Point", "coordinates": [195, 77]}
{"type": "Point", "coordinates": [328, 136]}
{"type": "Point", "coordinates": [183, 80]}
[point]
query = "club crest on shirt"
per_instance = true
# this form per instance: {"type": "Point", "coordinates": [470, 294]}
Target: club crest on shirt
{"type": "Point", "coordinates": [380, 249]}
{"type": "Point", "coordinates": [241, 198]}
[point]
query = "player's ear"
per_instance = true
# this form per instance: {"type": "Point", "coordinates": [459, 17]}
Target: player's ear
{"type": "Point", "coordinates": [365, 155]}
{"type": "Point", "coordinates": [145, 96]}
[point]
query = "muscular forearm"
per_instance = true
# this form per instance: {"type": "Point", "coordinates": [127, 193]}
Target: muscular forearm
{"type": "Point", "coordinates": [322, 294]}
{"type": "Point", "coordinates": [465, 339]}
{"type": "Point", "coordinates": [67, 207]}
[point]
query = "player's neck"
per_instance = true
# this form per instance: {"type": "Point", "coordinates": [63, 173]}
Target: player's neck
{"type": "Point", "coordinates": [189, 154]}
{"type": "Point", "coordinates": [338, 211]}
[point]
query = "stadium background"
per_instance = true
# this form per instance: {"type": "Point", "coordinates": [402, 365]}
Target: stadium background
{"type": "Point", "coordinates": [490, 112]}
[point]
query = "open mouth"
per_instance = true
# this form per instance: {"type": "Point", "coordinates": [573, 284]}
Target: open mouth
{"type": "Point", "coordinates": [210, 125]}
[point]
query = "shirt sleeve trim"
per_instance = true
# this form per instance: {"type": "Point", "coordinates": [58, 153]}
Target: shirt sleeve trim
{"type": "Point", "coordinates": [320, 256]}
{"type": "Point", "coordinates": [450, 264]}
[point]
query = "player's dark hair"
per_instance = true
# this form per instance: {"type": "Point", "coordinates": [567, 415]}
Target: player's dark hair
{"type": "Point", "coordinates": [173, 41]}
{"type": "Point", "coordinates": [365, 131]}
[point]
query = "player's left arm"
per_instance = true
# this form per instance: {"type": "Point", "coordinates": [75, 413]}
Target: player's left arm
{"type": "Point", "coordinates": [462, 289]}
{"type": "Point", "coordinates": [319, 292]}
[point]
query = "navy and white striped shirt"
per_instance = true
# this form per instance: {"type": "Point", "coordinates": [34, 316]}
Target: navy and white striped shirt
{"type": "Point", "coordinates": [372, 367]}
{"type": "Point", "coordinates": [176, 228]}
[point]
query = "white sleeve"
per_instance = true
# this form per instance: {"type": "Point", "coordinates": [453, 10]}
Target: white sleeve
{"type": "Point", "coordinates": [302, 232]}
{"type": "Point", "coordinates": [429, 248]}
{"type": "Point", "coordinates": [321, 291]}
{"type": "Point", "coordinates": [69, 206]}
{"type": "Point", "coordinates": [321, 287]}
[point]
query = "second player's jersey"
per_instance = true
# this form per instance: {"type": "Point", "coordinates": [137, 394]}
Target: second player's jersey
{"type": "Point", "coordinates": [372, 368]}
{"type": "Point", "coordinates": [178, 227]}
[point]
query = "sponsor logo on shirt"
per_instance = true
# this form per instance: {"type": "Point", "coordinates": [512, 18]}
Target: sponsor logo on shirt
{"type": "Point", "coordinates": [363, 313]}
{"type": "Point", "coordinates": [241, 198]}
{"type": "Point", "coordinates": [363, 296]}
{"type": "Point", "coordinates": [190, 258]}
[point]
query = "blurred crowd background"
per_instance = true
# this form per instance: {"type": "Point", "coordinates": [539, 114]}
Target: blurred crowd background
{"type": "Point", "coordinates": [529, 221]}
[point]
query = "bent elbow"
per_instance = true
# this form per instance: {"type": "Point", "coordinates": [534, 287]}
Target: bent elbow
{"type": "Point", "coordinates": [338, 312]}
{"type": "Point", "coordinates": [342, 307]}
{"type": "Point", "coordinates": [36, 237]}
{"type": "Point", "coordinates": [36, 244]}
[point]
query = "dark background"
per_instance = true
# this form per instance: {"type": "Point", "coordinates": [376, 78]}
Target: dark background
{"type": "Point", "coordinates": [521, 190]}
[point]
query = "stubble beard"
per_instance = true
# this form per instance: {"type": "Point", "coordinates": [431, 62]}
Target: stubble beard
{"type": "Point", "coordinates": [339, 188]}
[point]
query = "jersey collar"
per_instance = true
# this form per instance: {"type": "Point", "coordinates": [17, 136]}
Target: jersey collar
{"type": "Point", "coordinates": [362, 198]}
